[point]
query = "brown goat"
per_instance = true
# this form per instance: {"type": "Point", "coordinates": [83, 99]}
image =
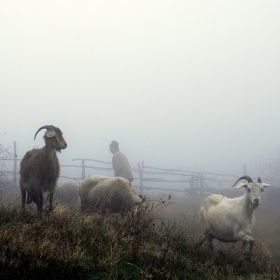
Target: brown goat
{"type": "Point", "coordinates": [39, 168]}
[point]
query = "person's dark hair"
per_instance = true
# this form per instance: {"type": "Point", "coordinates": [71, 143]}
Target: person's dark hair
{"type": "Point", "coordinates": [114, 144]}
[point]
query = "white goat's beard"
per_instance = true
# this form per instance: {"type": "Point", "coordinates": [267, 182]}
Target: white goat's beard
{"type": "Point", "coordinates": [254, 205]}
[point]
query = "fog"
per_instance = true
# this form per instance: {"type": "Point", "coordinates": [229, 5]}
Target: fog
{"type": "Point", "coordinates": [179, 84]}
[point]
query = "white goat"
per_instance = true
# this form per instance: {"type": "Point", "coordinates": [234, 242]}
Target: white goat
{"type": "Point", "coordinates": [67, 193]}
{"type": "Point", "coordinates": [115, 194]}
{"type": "Point", "coordinates": [232, 219]}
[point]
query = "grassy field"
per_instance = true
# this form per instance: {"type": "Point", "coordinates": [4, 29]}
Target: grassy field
{"type": "Point", "coordinates": [156, 243]}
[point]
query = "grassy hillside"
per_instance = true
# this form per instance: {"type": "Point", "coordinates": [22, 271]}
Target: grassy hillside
{"type": "Point", "coordinates": [156, 243]}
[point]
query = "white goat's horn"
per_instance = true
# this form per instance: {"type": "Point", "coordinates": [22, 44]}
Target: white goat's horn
{"type": "Point", "coordinates": [246, 177]}
{"type": "Point", "coordinates": [259, 180]}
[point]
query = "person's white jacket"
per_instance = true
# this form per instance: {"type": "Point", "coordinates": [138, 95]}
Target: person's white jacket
{"type": "Point", "coordinates": [121, 166]}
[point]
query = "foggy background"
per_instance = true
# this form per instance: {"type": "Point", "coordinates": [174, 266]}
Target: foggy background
{"type": "Point", "coordinates": [179, 84]}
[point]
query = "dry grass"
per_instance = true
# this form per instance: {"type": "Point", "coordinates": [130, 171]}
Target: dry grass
{"type": "Point", "coordinates": [69, 244]}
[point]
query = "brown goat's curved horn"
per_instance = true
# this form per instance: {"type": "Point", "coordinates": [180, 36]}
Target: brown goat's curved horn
{"type": "Point", "coordinates": [43, 127]}
{"type": "Point", "coordinates": [259, 180]}
{"type": "Point", "coordinates": [246, 177]}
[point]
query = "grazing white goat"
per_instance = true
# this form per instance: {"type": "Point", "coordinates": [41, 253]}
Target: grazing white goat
{"type": "Point", "coordinates": [67, 193]}
{"type": "Point", "coordinates": [115, 194]}
{"type": "Point", "coordinates": [232, 219]}
{"type": "Point", "coordinates": [39, 168]}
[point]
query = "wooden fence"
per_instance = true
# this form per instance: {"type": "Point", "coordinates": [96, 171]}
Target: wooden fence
{"type": "Point", "coordinates": [144, 176]}
{"type": "Point", "coordinates": [195, 182]}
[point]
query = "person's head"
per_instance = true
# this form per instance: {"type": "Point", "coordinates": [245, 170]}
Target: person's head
{"type": "Point", "coordinates": [114, 146]}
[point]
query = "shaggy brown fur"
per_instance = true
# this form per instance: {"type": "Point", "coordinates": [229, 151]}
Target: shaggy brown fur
{"type": "Point", "coordinates": [39, 168]}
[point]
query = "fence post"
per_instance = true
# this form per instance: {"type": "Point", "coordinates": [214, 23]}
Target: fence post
{"type": "Point", "coordinates": [83, 169]}
{"type": "Point", "coordinates": [192, 187]}
{"type": "Point", "coordinates": [140, 177]}
{"type": "Point", "coordinates": [197, 178]}
{"type": "Point", "coordinates": [15, 164]}
{"type": "Point", "coordinates": [192, 182]}
{"type": "Point", "coordinates": [201, 184]}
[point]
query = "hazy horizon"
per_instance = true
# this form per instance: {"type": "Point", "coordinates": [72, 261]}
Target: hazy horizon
{"type": "Point", "coordinates": [181, 84]}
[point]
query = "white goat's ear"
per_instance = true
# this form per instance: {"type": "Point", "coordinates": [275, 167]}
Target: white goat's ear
{"type": "Point", "coordinates": [265, 185]}
{"type": "Point", "coordinates": [50, 133]}
{"type": "Point", "coordinates": [241, 185]}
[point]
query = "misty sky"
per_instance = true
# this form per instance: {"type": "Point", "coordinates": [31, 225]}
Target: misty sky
{"type": "Point", "coordinates": [179, 84]}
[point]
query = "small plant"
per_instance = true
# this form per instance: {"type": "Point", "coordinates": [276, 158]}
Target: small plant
{"type": "Point", "coordinates": [5, 154]}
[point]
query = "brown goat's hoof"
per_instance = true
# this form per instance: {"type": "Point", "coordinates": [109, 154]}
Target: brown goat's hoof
{"type": "Point", "coordinates": [29, 218]}
{"type": "Point", "coordinates": [29, 199]}
{"type": "Point", "coordinates": [49, 210]}
{"type": "Point", "coordinates": [247, 258]}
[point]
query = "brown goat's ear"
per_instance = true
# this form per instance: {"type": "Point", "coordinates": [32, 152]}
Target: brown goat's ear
{"type": "Point", "coordinates": [50, 133]}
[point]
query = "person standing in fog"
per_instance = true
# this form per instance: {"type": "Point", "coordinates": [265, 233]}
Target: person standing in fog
{"type": "Point", "coordinates": [120, 163]}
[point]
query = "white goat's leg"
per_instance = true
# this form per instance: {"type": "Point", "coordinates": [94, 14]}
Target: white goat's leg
{"type": "Point", "coordinates": [202, 239]}
{"type": "Point", "coordinates": [249, 241]}
{"type": "Point", "coordinates": [210, 243]}
{"type": "Point", "coordinates": [84, 206]}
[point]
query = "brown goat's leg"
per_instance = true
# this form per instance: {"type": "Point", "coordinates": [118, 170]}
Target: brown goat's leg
{"type": "Point", "coordinates": [40, 202]}
{"type": "Point", "coordinates": [23, 197]}
{"type": "Point", "coordinates": [29, 198]}
{"type": "Point", "coordinates": [51, 200]}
